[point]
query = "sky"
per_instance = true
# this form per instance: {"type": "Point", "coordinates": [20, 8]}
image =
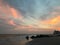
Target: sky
{"type": "Point", "coordinates": [29, 16]}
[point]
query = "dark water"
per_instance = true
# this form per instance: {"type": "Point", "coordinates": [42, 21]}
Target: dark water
{"type": "Point", "coordinates": [14, 40]}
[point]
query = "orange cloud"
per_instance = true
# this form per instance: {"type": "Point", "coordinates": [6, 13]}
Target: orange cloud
{"type": "Point", "coordinates": [14, 13]}
{"type": "Point", "coordinates": [55, 20]}
{"type": "Point", "coordinates": [52, 21]}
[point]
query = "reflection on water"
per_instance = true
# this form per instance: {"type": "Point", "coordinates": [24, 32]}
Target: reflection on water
{"type": "Point", "coordinates": [14, 40]}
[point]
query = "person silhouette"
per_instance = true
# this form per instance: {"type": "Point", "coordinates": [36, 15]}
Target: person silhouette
{"type": "Point", "coordinates": [27, 37]}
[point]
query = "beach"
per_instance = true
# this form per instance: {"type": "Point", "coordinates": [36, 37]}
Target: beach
{"type": "Point", "coordinates": [45, 41]}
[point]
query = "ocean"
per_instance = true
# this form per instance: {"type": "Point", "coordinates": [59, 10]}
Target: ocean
{"type": "Point", "coordinates": [14, 40]}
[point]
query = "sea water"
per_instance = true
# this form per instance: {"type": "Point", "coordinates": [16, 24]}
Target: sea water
{"type": "Point", "coordinates": [14, 40]}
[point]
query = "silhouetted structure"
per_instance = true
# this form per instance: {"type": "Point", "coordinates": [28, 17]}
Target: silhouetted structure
{"type": "Point", "coordinates": [56, 33]}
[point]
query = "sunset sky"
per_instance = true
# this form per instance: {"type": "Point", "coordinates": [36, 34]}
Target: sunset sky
{"type": "Point", "coordinates": [29, 16]}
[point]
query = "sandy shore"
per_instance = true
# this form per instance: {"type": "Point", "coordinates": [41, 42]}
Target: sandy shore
{"type": "Point", "coordinates": [45, 41]}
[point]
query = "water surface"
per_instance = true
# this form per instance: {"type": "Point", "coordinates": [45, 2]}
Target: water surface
{"type": "Point", "coordinates": [14, 40]}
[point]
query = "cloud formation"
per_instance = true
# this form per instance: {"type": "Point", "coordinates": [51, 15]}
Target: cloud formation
{"type": "Point", "coordinates": [28, 15]}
